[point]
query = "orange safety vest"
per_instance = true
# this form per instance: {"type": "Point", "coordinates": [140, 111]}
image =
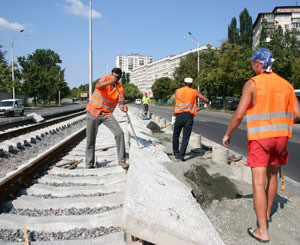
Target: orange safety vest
{"type": "Point", "coordinates": [186, 101]}
{"type": "Point", "coordinates": [273, 113]}
{"type": "Point", "coordinates": [106, 99]}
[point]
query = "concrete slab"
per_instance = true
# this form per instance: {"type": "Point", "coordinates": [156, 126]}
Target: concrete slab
{"type": "Point", "coordinates": [163, 213]}
{"type": "Point", "coordinates": [111, 239]}
{"type": "Point", "coordinates": [94, 180]}
{"type": "Point", "coordinates": [85, 172]}
{"type": "Point", "coordinates": [40, 189]}
{"type": "Point", "coordinates": [31, 202]}
{"type": "Point", "coordinates": [61, 223]}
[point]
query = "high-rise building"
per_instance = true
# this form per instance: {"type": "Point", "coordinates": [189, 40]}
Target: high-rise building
{"type": "Point", "coordinates": [144, 76]}
{"type": "Point", "coordinates": [128, 62]}
{"type": "Point", "coordinates": [288, 17]}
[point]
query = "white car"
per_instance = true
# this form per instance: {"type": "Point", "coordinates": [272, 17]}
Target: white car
{"type": "Point", "coordinates": [11, 107]}
{"type": "Point", "coordinates": [138, 101]}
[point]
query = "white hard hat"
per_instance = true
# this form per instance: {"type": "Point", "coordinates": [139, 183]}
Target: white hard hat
{"type": "Point", "coordinates": [188, 80]}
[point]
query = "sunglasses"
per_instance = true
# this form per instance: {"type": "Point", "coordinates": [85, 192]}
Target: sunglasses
{"type": "Point", "coordinates": [118, 77]}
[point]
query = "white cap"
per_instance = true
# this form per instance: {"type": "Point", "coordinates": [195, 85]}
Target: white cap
{"type": "Point", "coordinates": [188, 80]}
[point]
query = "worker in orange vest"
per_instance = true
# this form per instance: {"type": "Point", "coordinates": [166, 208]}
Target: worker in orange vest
{"type": "Point", "coordinates": [185, 109]}
{"type": "Point", "coordinates": [271, 108]}
{"type": "Point", "coordinates": [100, 110]}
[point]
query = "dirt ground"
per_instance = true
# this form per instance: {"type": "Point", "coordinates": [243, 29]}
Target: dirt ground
{"type": "Point", "coordinates": [227, 201]}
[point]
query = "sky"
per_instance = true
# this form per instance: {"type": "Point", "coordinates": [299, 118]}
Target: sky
{"type": "Point", "coordinates": [148, 27]}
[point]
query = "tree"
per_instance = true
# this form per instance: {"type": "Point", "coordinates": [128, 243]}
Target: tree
{"type": "Point", "coordinates": [131, 92]}
{"type": "Point", "coordinates": [246, 33]}
{"type": "Point", "coordinates": [6, 76]}
{"type": "Point", "coordinates": [188, 67]}
{"type": "Point", "coordinates": [43, 77]}
{"type": "Point", "coordinates": [233, 32]}
{"type": "Point", "coordinates": [161, 88]}
{"type": "Point", "coordinates": [286, 51]}
{"type": "Point", "coordinates": [2, 55]}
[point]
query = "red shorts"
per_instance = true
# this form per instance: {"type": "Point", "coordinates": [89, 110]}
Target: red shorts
{"type": "Point", "coordinates": [267, 151]}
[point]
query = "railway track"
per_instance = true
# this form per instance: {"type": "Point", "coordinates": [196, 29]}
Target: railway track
{"type": "Point", "coordinates": [53, 198]}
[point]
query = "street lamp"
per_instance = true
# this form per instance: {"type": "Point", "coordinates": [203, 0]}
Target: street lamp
{"type": "Point", "coordinates": [12, 61]}
{"type": "Point", "coordinates": [90, 53]}
{"type": "Point", "coordinates": [198, 47]}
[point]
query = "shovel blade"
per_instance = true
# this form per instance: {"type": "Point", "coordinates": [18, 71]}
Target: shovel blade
{"type": "Point", "coordinates": [154, 127]}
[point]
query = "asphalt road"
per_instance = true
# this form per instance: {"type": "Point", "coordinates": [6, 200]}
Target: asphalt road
{"type": "Point", "coordinates": [212, 125]}
{"type": "Point", "coordinates": [42, 110]}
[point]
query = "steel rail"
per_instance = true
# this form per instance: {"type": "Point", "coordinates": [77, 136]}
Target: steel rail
{"type": "Point", "coordinates": [12, 184]}
{"type": "Point", "coordinates": [15, 133]}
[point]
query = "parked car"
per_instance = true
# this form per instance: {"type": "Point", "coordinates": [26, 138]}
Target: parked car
{"type": "Point", "coordinates": [12, 107]}
{"type": "Point", "coordinates": [75, 101]}
{"type": "Point", "coordinates": [138, 101]}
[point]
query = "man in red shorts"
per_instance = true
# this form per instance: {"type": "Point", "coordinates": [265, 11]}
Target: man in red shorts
{"type": "Point", "coordinates": [271, 108]}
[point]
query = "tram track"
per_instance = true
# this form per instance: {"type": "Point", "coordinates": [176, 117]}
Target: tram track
{"type": "Point", "coordinates": [61, 204]}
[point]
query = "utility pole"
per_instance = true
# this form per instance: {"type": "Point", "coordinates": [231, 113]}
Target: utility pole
{"type": "Point", "coordinates": [90, 53]}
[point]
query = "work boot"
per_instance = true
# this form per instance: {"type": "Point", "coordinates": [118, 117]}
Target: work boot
{"type": "Point", "coordinates": [124, 165]}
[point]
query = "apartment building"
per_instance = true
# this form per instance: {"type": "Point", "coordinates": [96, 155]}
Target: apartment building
{"type": "Point", "coordinates": [128, 62]}
{"type": "Point", "coordinates": [288, 17]}
{"type": "Point", "coordinates": [144, 76]}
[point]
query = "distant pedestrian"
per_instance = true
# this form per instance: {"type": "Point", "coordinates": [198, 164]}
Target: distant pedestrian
{"type": "Point", "coordinates": [185, 109]}
{"type": "Point", "coordinates": [271, 108]}
{"type": "Point", "coordinates": [146, 101]}
{"type": "Point", "coordinates": [100, 110]}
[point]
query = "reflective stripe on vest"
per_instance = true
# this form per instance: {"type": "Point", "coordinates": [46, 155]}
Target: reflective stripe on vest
{"type": "Point", "coordinates": [185, 106]}
{"type": "Point", "coordinates": [186, 101]}
{"type": "Point", "coordinates": [272, 115]}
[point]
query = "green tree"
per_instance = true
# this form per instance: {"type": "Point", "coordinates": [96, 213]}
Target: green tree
{"type": "Point", "coordinates": [131, 92]}
{"type": "Point", "coordinates": [43, 77]}
{"type": "Point", "coordinates": [246, 33]}
{"type": "Point", "coordinates": [2, 55]}
{"type": "Point", "coordinates": [233, 31]}
{"type": "Point", "coordinates": [161, 88]}
{"type": "Point", "coordinates": [6, 74]}
{"type": "Point", "coordinates": [286, 51]}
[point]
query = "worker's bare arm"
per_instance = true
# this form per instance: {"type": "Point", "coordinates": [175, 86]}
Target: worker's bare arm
{"type": "Point", "coordinates": [248, 92]}
{"type": "Point", "coordinates": [296, 110]}
{"type": "Point", "coordinates": [202, 97]}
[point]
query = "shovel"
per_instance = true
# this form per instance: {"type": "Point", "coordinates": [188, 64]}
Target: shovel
{"type": "Point", "coordinates": [155, 128]}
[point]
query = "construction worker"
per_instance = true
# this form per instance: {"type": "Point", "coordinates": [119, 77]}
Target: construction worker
{"type": "Point", "coordinates": [271, 108]}
{"type": "Point", "coordinates": [100, 110]}
{"type": "Point", "coordinates": [146, 102]}
{"type": "Point", "coordinates": [185, 109]}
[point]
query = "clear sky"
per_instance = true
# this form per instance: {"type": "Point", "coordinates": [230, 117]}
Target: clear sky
{"type": "Point", "coordinates": [148, 27]}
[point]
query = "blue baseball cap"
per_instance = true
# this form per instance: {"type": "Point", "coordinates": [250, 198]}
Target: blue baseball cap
{"type": "Point", "coordinates": [265, 57]}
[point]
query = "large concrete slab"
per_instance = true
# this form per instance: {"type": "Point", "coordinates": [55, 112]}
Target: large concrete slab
{"type": "Point", "coordinates": [157, 207]}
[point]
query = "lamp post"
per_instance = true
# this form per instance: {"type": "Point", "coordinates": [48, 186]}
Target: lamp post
{"type": "Point", "coordinates": [90, 53]}
{"type": "Point", "coordinates": [12, 61]}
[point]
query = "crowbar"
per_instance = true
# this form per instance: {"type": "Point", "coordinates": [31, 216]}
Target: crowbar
{"type": "Point", "coordinates": [123, 103]}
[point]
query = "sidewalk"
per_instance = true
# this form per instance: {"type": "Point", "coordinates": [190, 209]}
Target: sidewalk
{"type": "Point", "coordinates": [227, 199]}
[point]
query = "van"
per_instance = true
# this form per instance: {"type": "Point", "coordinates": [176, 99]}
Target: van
{"type": "Point", "coordinates": [12, 107]}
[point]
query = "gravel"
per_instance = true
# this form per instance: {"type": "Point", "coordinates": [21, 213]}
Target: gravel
{"type": "Point", "coordinates": [9, 235]}
{"type": "Point", "coordinates": [61, 212]}
{"type": "Point", "coordinates": [11, 161]}
{"type": "Point", "coordinates": [77, 195]}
